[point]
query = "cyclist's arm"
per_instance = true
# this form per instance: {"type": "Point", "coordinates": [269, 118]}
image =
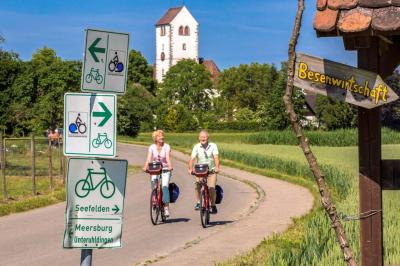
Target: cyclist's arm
{"type": "Point", "coordinates": [216, 160]}
{"type": "Point", "coordinates": [148, 159]}
{"type": "Point", "coordinates": [190, 166]}
{"type": "Point", "coordinates": [168, 158]}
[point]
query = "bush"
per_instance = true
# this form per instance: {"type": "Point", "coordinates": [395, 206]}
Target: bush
{"type": "Point", "coordinates": [235, 125]}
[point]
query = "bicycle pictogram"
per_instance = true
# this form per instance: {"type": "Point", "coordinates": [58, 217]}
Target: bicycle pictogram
{"type": "Point", "coordinates": [78, 126]}
{"type": "Point", "coordinates": [102, 139]}
{"type": "Point", "coordinates": [84, 186]}
{"type": "Point", "coordinates": [94, 75]}
{"type": "Point", "coordinates": [115, 65]}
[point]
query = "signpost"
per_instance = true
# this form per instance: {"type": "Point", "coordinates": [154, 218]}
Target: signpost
{"type": "Point", "coordinates": [349, 84]}
{"type": "Point", "coordinates": [95, 187]}
{"type": "Point", "coordinates": [90, 124]}
{"type": "Point", "coordinates": [105, 62]}
{"type": "Point", "coordinates": [95, 203]}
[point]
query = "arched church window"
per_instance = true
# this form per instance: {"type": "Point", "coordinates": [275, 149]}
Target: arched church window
{"type": "Point", "coordinates": [181, 30]}
{"type": "Point", "coordinates": [184, 46]}
{"type": "Point", "coordinates": [187, 31]}
{"type": "Point", "coordinates": [162, 56]}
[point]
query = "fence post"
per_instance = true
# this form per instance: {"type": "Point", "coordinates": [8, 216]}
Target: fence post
{"type": "Point", "coordinates": [50, 167]}
{"type": "Point", "coordinates": [3, 166]}
{"type": "Point", "coordinates": [33, 156]}
{"type": "Point", "coordinates": [60, 157]}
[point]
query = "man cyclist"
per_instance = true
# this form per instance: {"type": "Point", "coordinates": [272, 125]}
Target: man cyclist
{"type": "Point", "coordinates": [205, 152]}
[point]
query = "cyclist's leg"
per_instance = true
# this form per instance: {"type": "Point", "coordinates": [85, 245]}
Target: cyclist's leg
{"type": "Point", "coordinates": [197, 188]}
{"type": "Point", "coordinates": [153, 181]}
{"type": "Point", "coordinates": [211, 183]}
{"type": "Point", "coordinates": [165, 178]}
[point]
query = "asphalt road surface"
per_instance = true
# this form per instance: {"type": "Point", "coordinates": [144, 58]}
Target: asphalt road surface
{"type": "Point", "coordinates": [35, 237]}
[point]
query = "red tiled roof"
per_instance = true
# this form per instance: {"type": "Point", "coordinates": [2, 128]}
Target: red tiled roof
{"type": "Point", "coordinates": [212, 67]}
{"type": "Point", "coordinates": [169, 16]}
{"type": "Point", "coordinates": [339, 17]}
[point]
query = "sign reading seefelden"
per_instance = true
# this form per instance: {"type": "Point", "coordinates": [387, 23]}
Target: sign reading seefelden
{"type": "Point", "coordinates": [95, 203]}
{"type": "Point", "coordinates": [342, 82]}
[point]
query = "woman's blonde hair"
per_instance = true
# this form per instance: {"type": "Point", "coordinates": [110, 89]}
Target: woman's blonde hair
{"type": "Point", "coordinates": [156, 134]}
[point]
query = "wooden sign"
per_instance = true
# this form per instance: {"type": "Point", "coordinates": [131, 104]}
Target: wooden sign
{"type": "Point", "coordinates": [346, 83]}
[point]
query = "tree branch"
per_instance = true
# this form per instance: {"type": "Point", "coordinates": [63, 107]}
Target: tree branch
{"type": "Point", "coordinates": [326, 199]}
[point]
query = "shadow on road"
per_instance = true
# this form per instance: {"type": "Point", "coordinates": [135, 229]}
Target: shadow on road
{"type": "Point", "coordinates": [177, 220]}
{"type": "Point", "coordinates": [219, 223]}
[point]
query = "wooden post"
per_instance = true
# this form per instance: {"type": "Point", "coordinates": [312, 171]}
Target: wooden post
{"type": "Point", "coordinates": [60, 156]}
{"type": "Point", "coordinates": [50, 167]}
{"type": "Point", "coordinates": [3, 166]}
{"type": "Point", "coordinates": [369, 150]}
{"type": "Point", "coordinates": [33, 157]}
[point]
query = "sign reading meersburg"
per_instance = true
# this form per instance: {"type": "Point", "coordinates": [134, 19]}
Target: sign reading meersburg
{"type": "Point", "coordinates": [95, 203]}
{"type": "Point", "coordinates": [342, 82]}
{"type": "Point", "coordinates": [105, 62]}
{"type": "Point", "coordinates": [90, 124]}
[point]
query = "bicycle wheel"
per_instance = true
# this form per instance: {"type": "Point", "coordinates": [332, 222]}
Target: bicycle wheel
{"type": "Point", "coordinates": [99, 79]}
{"type": "Point", "coordinates": [82, 188]}
{"type": "Point", "coordinates": [82, 128]}
{"type": "Point", "coordinates": [111, 66]}
{"type": "Point", "coordinates": [89, 78]}
{"type": "Point", "coordinates": [108, 143]}
{"type": "Point", "coordinates": [154, 208]}
{"type": "Point", "coordinates": [204, 211]}
{"type": "Point", "coordinates": [96, 143]}
{"type": "Point", "coordinates": [107, 189]}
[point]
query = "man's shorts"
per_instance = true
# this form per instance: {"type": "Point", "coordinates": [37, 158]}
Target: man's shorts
{"type": "Point", "coordinates": [211, 181]}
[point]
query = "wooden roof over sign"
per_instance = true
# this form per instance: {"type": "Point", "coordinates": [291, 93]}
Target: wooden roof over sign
{"type": "Point", "coordinates": [357, 17]}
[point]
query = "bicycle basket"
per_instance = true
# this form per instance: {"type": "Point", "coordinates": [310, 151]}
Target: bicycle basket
{"type": "Point", "coordinates": [155, 168]}
{"type": "Point", "coordinates": [220, 194]}
{"type": "Point", "coordinates": [201, 170]}
{"type": "Point", "coordinates": [173, 192]}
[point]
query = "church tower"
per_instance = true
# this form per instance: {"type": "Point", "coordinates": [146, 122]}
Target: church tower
{"type": "Point", "coordinates": [177, 37]}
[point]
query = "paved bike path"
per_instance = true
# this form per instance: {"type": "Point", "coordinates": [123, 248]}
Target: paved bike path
{"type": "Point", "coordinates": [35, 237]}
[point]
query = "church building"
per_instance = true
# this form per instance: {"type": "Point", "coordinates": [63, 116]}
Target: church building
{"type": "Point", "coordinates": [177, 37]}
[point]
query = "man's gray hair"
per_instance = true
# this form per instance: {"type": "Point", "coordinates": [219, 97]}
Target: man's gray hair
{"type": "Point", "coordinates": [203, 131]}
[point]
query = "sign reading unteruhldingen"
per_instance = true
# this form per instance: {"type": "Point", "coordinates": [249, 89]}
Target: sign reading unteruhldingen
{"type": "Point", "coordinates": [95, 203]}
{"type": "Point", "coordinates": [349, 84]}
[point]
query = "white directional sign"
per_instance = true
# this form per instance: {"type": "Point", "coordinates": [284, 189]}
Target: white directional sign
{"type": "Point", "coordinates": [105, 61]}
{"type": "Point", "coordinates": [90, 124]}
{"type": "Point", "coordinates": [95, 203]}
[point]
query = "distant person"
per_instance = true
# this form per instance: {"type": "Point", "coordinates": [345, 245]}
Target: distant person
{"type": "Point", "coordinates": [205, 152]}
{"type": "Point", "coordinates": [160, 152]}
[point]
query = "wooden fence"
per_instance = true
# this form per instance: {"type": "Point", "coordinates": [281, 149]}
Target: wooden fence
{"type": "Point", "coordinates": [15, 154]}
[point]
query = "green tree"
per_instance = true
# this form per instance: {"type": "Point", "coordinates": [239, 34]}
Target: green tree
{"type": "Point", "coordinates": [135, 111]}
{"type": "Point", "coordinates": [10, 68]}
{"type": "Point", "coordinates": [391, 112]}
{"type": "Point", "coordinates": [272, 112]}
{"type": "Point", "coordinates": [188, 83]}
{"type": "Point", "coordinates": [38, 92]}
{"type": "Point", "coordinates": [246, 86]}
{"type": "Point", "coordinates": [139, 71]}
{"type": "Point", "coordinates": [335, 114]}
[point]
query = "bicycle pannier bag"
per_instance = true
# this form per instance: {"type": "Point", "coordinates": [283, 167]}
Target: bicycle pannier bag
{"type": "Point", "coordinates": [201, 170]}
{"type": "Point", "coordinates": [173, 192]}
{"type": "Point", "coordinates": [220, 194]}
{"type": "Point", "coordinates": [155, 168]}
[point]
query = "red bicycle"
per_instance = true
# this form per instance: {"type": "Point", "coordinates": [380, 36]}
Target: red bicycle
{"type": "Point", "coordinates": [202, 171]}
{"type": "Point", "coordinates": [156, 203]}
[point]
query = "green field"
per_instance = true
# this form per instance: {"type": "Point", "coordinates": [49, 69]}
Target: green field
{"type": "Point", "coordinates": [310, 240]}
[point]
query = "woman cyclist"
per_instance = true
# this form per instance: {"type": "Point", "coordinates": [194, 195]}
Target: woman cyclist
{"type": "Point", "coordinates": [160, 152]}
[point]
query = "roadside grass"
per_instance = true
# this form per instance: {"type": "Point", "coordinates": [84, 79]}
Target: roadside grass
{"type": "Point", "coordinates": [310, 239]}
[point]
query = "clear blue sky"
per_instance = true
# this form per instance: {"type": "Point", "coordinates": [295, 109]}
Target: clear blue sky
{"type": "Point", "coordinates": [231, 32]}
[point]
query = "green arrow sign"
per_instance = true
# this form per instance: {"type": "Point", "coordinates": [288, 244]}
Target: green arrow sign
{"type": "Point", "coordinates": [106, 114]}
{"type": "Point", "coordinates": [116, 209]}
{"type": "Point", "coordinates": [93, 49]}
